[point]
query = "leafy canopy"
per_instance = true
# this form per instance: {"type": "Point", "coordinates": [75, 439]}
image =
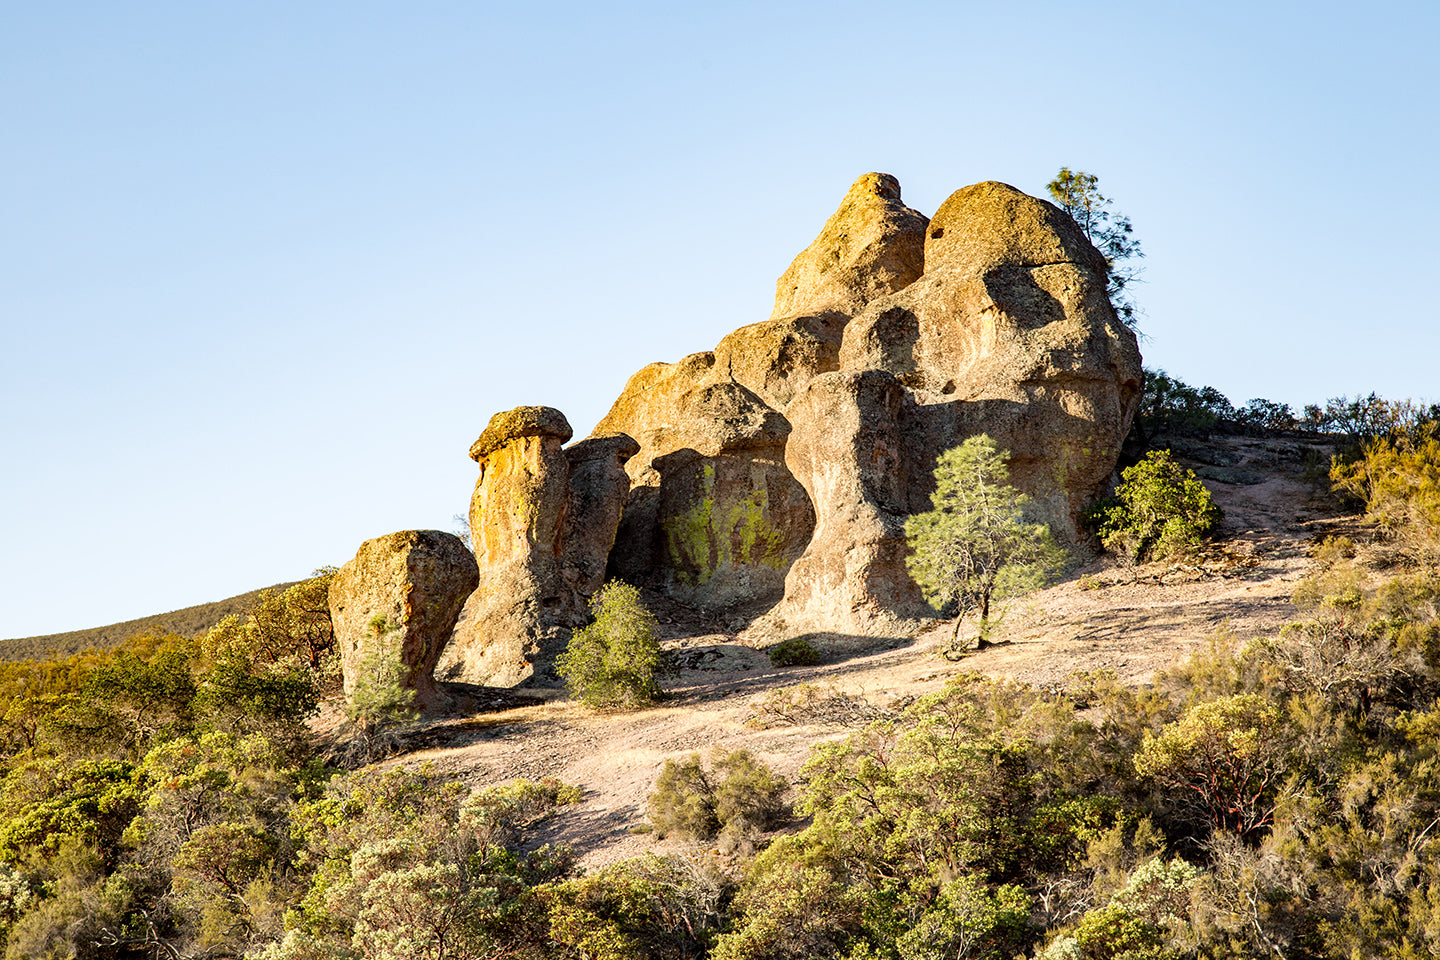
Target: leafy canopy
{"type": "Point", "coordinates": [975, 544]}
{"type": "Point", "coordinates": [612, 662]}
{"type": "Point", "coordinates": [1162, 510]}
{"type": "Point", "coordinates": [1078, 194]}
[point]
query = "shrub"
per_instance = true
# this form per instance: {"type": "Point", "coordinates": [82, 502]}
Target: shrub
{"type": "Point", "coordinates": [612, 662]}
{"type": "Point", "coordinates": [736, 793]}
{"type": "Point", "coordinates": [1163, 511]}
{"type": "Point", "coordinates": [795, 652]}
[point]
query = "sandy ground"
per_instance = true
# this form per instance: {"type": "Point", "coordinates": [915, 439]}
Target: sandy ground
{"type": "Point", "coordinates": [1133, 620]}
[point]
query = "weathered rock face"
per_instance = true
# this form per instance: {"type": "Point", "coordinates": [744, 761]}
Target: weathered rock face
{"type": "Point", "coordinates": [598, 487]}
{"type": "Point", "coordinates": [1009, 332]}
{"type": "Point", "coordinates": [714, 517]}
{"type": "Point", "coordinates": [871, 246]}
{"type": "Point", "coordinates": [401, 592]}
{"type": "Point", "coordinates": [849, 450]}
{"type": "Point", "coordinates": [517, 516]}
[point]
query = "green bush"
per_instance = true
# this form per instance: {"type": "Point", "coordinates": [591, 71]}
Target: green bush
{"type": "Point", "coordinates": [735, 794]}
{"type": "Point", "coordinates": [795, 652]}
{"type": "Point", "coordinates": [1161, 510]}
{"type": "Point", "coordinates": [612, 662]}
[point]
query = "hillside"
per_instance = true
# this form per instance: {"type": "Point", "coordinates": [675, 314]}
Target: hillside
{"type": "Point", "coordinates": [1135, 621]}
{"type": "Point", "coordinates": [186, 622]}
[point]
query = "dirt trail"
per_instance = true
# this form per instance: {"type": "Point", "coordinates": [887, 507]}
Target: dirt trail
{"type": "Point", "coordinates": [1134, 621]}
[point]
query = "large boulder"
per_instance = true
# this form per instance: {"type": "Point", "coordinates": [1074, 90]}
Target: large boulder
{"type": "Point", "coordinates": [401, 595]}
{"type": "Point", "coordinates": [872, 245]}
{"type": "Point", "coordinates": [517, 613]}
{"type": "Point", "coordinates": [715, 517]}
{"type": "Point", "coordinates": [1009, 332]}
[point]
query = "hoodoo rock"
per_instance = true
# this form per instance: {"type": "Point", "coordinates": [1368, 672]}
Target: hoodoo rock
{"type": "Point", "coordinates": [542, 520]}
{"type": "Point", "coordinates": [848, 450]}
{"type": "Point", "coordinates": [400, 595]}
{"type": "Point", "coordinates": [517, 516]}
{"type": "Point", "coordinates": [598, 487]}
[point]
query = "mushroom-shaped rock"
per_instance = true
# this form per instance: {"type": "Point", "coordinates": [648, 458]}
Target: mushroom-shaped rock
{"type": "Point", "coordinates": [511, 425]}
{"type": "Point", "coordinates": [400, 596]}
{"type": "Point", "coordinates": [871, 246]}
{"type": "Point", "coordinates": [517, 517]}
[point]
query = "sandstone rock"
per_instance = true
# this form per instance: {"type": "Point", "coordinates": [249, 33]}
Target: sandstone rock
{"type": "Point", "coordinates": [871, 246]}
{"type": "Point", "coordinates": [651, 410]}
{"type": "Point", "coordinates": [405, 590]}
{"type": "Point", "coordinates": [515, 617]}
{"type": "Point", "coordinates": [849, 451]}
{"type": "Point", "coordinates": [776, 358]}
{"type": "Point", "coordinates": [731, 524]}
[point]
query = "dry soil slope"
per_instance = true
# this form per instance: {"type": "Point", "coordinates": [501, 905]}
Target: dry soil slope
{"type": "Point", "coordinates": [1104, 615]}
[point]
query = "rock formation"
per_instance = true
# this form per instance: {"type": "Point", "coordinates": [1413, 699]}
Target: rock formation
{"type": "Point", "coordinates": [1009, 332]}
{"type": "Point", "coordinates": [401, 594]}
{"type": "Point", "coordinates": [892, 339]}
{"type": "Point", "coordinates": [542, 521]}
{"type": "Point", "coordinates": [871, 246]}
{"type": "Point", "coordinates": [776, 471]}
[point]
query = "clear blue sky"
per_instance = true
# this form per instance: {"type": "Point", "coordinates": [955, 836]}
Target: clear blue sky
{"type": "Point", "coordinates": [267, 269]}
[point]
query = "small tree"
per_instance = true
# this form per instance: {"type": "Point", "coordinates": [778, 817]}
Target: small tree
{"type": "Point", "coordinates": [612, 662]}
{"type": "Point", "coordinates": [380, 706]}
{"type": "Point", "coordinates": [1078, 194]}
{"type": "Point", "coordinates": [975, 546]}
{"type": "Point", "coordinates": [1163, 510]}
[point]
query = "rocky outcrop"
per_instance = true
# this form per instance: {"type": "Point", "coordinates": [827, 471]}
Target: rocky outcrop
{"type": "Point", "coordinates": [401, 595]}
{"type": "Point", "coordinates": [893, 338]}
{"type": "Point", "coordinates": [714, 516]}
{"type": "Point", "coordinates": [542, 520]}
{"type": "Point", "coordinates": [781, 465]}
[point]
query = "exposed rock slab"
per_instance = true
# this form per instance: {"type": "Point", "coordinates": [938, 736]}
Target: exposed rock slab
{"type": "Point", "coordinates": [403, 592]}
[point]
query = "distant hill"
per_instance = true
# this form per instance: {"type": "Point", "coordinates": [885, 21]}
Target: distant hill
{"type": "Point", "coordinates": [189, 622]}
